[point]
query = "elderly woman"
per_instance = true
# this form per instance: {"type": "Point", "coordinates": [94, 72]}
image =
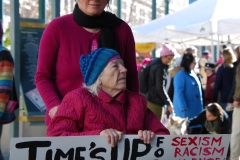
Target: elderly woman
{"type": "Point", "coordinates": [103, 106]}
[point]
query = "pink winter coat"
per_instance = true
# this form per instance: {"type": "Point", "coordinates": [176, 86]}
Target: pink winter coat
{"type": "Point", "coordinates": [81, 113]}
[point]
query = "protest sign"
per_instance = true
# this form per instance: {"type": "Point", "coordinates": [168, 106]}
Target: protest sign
{"type": "Point", "coordinates": [185, 147]}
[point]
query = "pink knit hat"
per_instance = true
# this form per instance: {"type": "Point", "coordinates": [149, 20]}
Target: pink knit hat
{"type": "Point", "coordinates": [167, 50]}
{"type": "Point", "coordinates": [220, 60]}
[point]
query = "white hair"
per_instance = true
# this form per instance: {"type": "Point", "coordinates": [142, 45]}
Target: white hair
{"type": "Point", "coordinates": [93, 88]}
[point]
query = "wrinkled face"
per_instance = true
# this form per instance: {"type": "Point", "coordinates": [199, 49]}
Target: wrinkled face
{"type": "Point", "coordinates": [113, 78]}
{"type": "Point", "coordinates": [210, 117]}
{"type": "Point", "coordinates": [167, 59]}
{"type": "Point", "coordinates": [92, 7]}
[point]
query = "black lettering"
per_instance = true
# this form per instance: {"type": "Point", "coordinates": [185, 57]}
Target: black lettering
{"type": "Point", "coordinates": [92, 145]}
{"type": "Point", "coordinates": [77, 153]}
{"type": "Point", "coordinates": [157, 154]}
{"type": "Point", "coordinates": [49, 155]}
{"type": "Point", "coordinates": [159, 140]}
{"type": "Point", "coordinates": [96, 151]}
{"type": "Point", "coordinates": [135, 152]}
{"type": "Point", "coordinates": [114, 153]}
{"type": "Point", "coordinates": [60, 154]}
{"type": "Point", "coordinates": [126, 149]}
{"type": "Point", "coordinates": [32, 145]}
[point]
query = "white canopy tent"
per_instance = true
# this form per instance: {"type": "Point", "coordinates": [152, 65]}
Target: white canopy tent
{"type": "Point", "coordinates": [197, 24]}
{"type": "Point", "coordinates": [229, 26]}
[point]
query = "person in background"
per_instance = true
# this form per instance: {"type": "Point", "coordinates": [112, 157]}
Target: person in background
{"type": "Point", "coordinates": [6, 87]}
{"type": "Point", "coordinates": [208, 94]}
{"type": "Point", "coordinates": [230, 106]}
{"type": "Point", "coordinates": [202, 61]}
{"type": "Point", "coordinates": [187, 99]}
{"type": "Point", "coordinates": [214, 120]}
{"type": "Point", "coordinates": [235, 136]}
{"type": "Point", "coordinates": [103, 106]}
{"type": "Point", "coordinates": [177, 66]}
{"type": "Point", "coordinates": [224, 78]}
{"type": "Point", "coordinates": [159, 81]}
{"type": "Point", "coordinates": [172, 71]}
{"type": "Point", "coordinates": [192, 50]}
{"type": "Point", "coordinates": [219, 62]}
{"type": "Point", "coordinates": [66, 38]}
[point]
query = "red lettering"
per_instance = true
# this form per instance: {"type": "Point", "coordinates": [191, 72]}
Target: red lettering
{"type": "Point", "coordinates": [200, 152]}
{"type": "Point", "coordinates": [206, 151]}
{"type": "Point", "coordinates": [176, 141]}
{"type": "Point", "coordinates": [205, 139]}
{"type": "Point", "coordinates": [177, 152]}
{"type": "Point", "coordinates": [183, 141]}
{"type": "Point", "coordinates": [192, 141]}
{"type": "Point", "coordinates": [218, 151]}
{"type": "Point", "coordinates": [217, 140]}
{"type": "Point", "coordinates": [200, 140]}
{"type": "Point", "coordinates": [217, 158]}
{"type": "Point", "coordinates": [186, 152]}
{"type": "Point", "coordinates": [192, 153]}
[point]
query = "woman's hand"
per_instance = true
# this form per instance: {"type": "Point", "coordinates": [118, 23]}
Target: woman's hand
{"type": "Point", "coordinates": [170, 109]}
{"type": "Point", "coordinates": [146, 136]}
{"type": "Point", "coordinates": [113, 136]}
{"type": "Point", "coordinates": [53, 111]}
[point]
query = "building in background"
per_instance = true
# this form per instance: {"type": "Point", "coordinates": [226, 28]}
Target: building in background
{"type": "Point", "coordinates": [137, 12]}
{"type": "Point", "coordinates": [134, 12]}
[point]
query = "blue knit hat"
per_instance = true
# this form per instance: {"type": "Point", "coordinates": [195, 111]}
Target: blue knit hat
{"type": "Point", "coordinates": [92, 64]}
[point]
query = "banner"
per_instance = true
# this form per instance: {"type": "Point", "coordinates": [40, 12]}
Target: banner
{"type": "Point", "coordinates": [144, 47]}
{"type": "Point", "coordinates": [186, 147]}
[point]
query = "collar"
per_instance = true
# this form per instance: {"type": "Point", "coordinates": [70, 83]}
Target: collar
{"type": "Point", "coordinates": [192, 73]}
{"type": "Point", "coordinates": [107, 98]}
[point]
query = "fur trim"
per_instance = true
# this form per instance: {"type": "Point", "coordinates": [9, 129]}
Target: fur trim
{"type": "Point", "coordinates": [173, 71]}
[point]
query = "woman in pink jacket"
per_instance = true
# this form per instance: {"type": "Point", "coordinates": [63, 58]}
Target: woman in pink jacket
{"type": "Point", "coordinates": [68, 37]}
{"type": "Point", "coordinates": [103, 106]}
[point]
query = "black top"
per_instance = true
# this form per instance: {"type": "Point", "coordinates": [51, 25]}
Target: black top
{"type": "Point", "coordinates": [224, 123]}
{"type": "Point", "coordinates": [157, 82]}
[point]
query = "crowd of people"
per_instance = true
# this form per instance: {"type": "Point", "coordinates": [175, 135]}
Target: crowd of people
{"type": "Point", "coordinates": [205, 92]}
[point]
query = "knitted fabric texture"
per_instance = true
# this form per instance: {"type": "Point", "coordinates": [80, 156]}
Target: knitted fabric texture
{"type": "Point", "coordinates": [167, 50]}
{"type": "Point", "coordinates": [82, 114]}
{"type": "Point", "coordinates": [92, 64]}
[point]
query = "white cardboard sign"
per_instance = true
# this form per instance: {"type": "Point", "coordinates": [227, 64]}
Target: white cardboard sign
{"type": "Point", "coordinates": [185, 147]}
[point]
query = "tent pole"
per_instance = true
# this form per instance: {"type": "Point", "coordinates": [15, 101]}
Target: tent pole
{"type": "Point", "coordinates": [154, 16]}
{"type": "Point", "coordinates": [212, 49]}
